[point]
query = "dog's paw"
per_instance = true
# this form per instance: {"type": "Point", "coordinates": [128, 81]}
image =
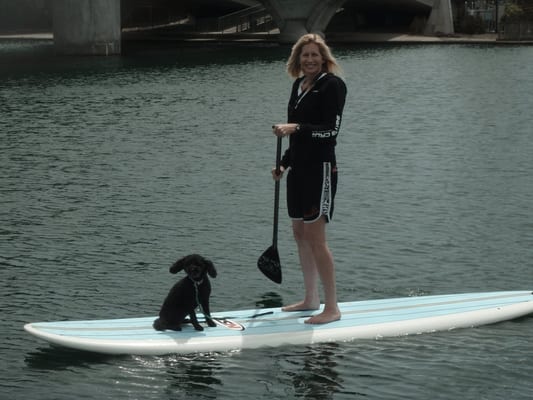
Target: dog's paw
{"type": "Point", "coordinates": [211, 323]}
{"type": "Point", "coordinates": [158, 325]}
{"type": "Point", "coordinates": [198, 327]}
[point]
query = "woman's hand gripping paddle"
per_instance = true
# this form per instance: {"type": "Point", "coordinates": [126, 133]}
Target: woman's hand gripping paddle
{"type": "Point", "coordinates": [269, 263]}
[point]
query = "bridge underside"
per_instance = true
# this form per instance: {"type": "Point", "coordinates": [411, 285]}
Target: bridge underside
{"type": "Point", "coordinates": [383, 17]}
{"type": "Point", "coordinates": [416, 16]}
{"type": "Point", "coordinates": [95, 26]}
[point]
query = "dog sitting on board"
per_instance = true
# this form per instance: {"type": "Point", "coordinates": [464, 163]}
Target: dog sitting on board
{"type": "Point", "coordinates": [187, 294]}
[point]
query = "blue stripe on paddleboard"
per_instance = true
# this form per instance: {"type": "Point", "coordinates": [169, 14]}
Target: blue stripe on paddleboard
{"type": "Point", "coordinates": [355, 314]}
{"type": "Point", "coordinates": [347, 307]}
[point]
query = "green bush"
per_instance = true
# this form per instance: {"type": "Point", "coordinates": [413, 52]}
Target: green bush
{"type": "Point", "coordinates": [518, 10]}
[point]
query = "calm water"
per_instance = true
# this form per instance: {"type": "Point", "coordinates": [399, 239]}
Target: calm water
{"type": "Point", "coordinates": [112, 168]}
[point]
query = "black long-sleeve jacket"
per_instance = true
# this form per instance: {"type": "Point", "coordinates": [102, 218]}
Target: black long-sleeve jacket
{"type": "Point", "coordinates": [319, 114]}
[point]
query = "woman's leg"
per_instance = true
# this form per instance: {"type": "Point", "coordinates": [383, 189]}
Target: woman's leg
{"type": "Point", "coordinates": [311, 299]}
{"type": "Point", "coordinates": [315, 236]}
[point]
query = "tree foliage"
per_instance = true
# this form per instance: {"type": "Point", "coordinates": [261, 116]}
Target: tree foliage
{"type": "Point", "coordinates": [518, 10]}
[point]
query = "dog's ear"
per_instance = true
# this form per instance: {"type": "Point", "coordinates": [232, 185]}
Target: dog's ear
{"type": "Point", "coordinates": [179, 265]}
{"type": "Point", "coordinates": [211, 271]}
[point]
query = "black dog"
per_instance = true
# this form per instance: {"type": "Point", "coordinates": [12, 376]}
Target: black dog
{"type": "Point", "coordinates": [187, 294]}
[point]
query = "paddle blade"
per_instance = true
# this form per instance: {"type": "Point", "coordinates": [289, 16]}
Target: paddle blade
{"type": "Point", "coordinates": [270, 265]}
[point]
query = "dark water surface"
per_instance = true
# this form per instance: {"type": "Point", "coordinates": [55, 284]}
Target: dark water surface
{"type": "Point", "coordinates": [112, 168]}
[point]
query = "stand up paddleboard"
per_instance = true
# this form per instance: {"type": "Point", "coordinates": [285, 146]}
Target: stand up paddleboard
{"type": "Point", "coordinates": [247, 329]}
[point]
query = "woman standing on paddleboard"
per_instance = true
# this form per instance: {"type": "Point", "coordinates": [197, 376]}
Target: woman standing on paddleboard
{"type": "Point", "coordinates": [314, 117]}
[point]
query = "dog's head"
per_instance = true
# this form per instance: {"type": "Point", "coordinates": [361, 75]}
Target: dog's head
{"type": "Point", "coordinates": [196, 267]}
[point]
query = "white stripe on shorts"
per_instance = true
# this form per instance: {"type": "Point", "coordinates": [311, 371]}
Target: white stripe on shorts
{"type": "Point", "coordinates": [325, 197]}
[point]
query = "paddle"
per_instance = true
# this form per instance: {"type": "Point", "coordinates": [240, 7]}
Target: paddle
{"type": "Point", "coordinates": [269, 263]}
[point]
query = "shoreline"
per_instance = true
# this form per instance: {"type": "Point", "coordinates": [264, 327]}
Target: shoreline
{"type": "Point", "coordinates": [337, 38]}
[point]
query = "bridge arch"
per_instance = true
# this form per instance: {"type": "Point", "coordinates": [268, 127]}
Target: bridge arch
{"type": "Point", "coordinates": [322, 15]}
{"type": "Point", "coordinates": [297, 17]}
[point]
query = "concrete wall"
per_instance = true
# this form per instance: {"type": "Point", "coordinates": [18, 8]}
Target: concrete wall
{"type": "Point", "coordinates": [87, 26]}
{"type": "Point", "coordinates": [25, 16]}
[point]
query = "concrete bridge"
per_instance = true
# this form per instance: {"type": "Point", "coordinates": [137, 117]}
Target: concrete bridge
{"type": "Point", "coordinates": [94, 26]}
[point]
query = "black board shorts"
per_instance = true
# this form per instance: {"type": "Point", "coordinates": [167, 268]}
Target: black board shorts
{"type": "Point", "coordinates": [311, 193]}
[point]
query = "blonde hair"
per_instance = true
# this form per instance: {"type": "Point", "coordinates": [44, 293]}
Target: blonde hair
{"type": "Point", "coordinates": [294, 68]}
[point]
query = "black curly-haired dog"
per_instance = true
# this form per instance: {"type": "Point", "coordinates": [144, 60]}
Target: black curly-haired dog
{"type": "Point", "coordinates": [187, 294]}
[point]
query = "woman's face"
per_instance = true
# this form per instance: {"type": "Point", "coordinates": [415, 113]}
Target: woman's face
{"type": "Point", "coordinates": [311, 61]}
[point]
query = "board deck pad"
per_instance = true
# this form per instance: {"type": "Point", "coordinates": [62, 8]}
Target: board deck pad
{"type": "Point", "coordinates": [248, 329]}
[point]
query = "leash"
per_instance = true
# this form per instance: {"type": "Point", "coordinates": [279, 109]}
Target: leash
{"type": "Point", "coordinates": [225, 322]}
{"type": "Point", "coordinates": [197, 295]}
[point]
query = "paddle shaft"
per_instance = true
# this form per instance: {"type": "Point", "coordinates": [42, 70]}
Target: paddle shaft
{"type": "Point", "coordinates": [268, 263]}
{"type": "Point", "coordinates": [276, 195]}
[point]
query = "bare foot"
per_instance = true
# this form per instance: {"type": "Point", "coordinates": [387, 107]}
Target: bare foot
{"type": "Point", "coordinates": [301, 306]}
{"type": "Point", "coordinates": [324, 317]}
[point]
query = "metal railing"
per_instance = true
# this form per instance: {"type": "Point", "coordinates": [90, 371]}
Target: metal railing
{"type": "Point", "coordinates": [252, 19]}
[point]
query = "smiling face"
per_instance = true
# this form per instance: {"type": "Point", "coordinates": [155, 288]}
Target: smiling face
{"type": "Point", "coordinates": [311, 60]}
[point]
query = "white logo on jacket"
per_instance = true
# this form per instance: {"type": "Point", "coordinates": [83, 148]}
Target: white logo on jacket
{"type": "Point", "coordinates": [328, 134]}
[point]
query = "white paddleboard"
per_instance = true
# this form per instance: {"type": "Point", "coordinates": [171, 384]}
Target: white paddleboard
{"type": "Point", "coordinates": [247, 329]}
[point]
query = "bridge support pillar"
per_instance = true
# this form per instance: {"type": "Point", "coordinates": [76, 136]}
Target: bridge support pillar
{"type": "Point", "coordinates": [292, 30]}
{"type": "Point", "coordinates": [90, 27]}
{"type": "Point", "coordinates": [440, 19]}
{"type": "Point", "coordinates": [296, 17]}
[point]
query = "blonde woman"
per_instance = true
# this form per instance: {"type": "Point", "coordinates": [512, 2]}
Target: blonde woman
{"type": "Point", "coordinates": [314, 117]}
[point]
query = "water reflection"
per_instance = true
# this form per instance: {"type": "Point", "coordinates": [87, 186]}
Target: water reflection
{"type": "Point", "coordinates": [269, 300]}
{"type": "Point", "coordinates": [317, 376]}
{"type": "Point", "coordinates": [189, 376]}
{"type": "Point", "coordinates": [54, 358]}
